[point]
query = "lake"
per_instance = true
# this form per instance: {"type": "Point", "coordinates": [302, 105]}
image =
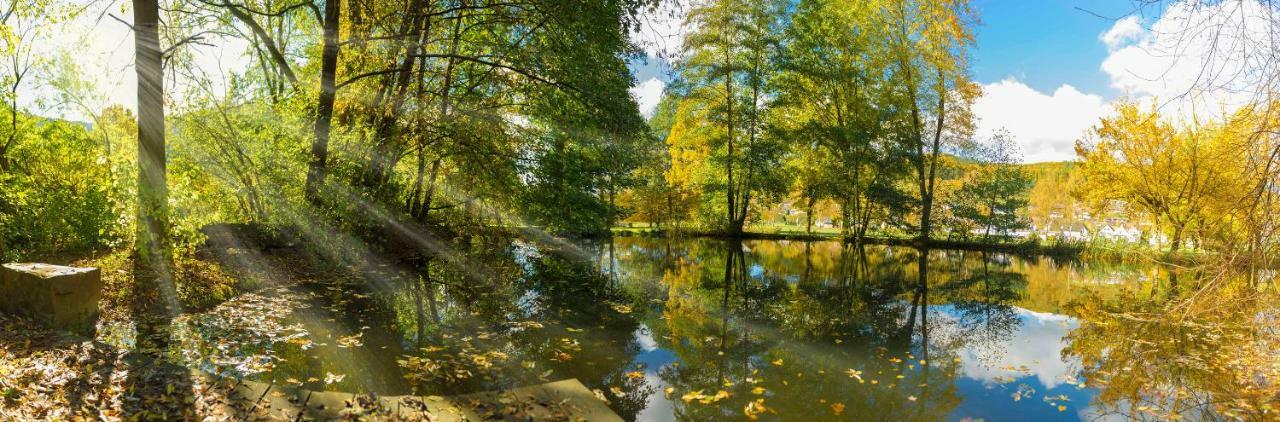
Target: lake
{"type": "Point", "coordinates": [703, 329]}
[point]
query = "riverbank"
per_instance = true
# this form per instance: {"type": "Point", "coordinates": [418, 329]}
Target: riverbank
{"type": "Point", "coordinates": [1027, 247]}
{"type": "Point", "coordinates": [1023, 247]}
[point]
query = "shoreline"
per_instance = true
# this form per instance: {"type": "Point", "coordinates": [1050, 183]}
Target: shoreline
{"type": "Point", "coordinates": [1026, 248]}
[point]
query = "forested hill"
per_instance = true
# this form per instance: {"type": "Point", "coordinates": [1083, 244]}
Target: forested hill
{"type": "Point", "coordinates": [1058, 168]}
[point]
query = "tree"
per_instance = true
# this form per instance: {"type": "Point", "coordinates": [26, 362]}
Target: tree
{"type": "Point", "coordinates": [24, 25]}
{"type": "Point", "coordinates": [1148, 165]}
{"type": "Point", "coordinates": [995, 191]}
{"type": "Point", "coordinates": [153, 191]}
{"type": "Point", "coordinates": [833, 90]}
{"type": "Point", "coordinates": [728, 63]}
{"type": "Point", "coordinates": [317, 168]}
{"type": "Point", "coordinates": [928, 42]}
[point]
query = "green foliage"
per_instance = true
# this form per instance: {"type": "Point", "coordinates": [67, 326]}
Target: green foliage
{"type": "Point", "coordinates": [563, 186]}
{"type": "Point", "coordinates": [995, 192]}
{"type": "Point", "coordinates": [56, 198]}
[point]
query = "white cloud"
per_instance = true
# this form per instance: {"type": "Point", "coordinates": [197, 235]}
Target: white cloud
{"type": "Point", "coordinates": [1124, 31]}
{"type": "Point", "coordinates": [1045, 127]}
{"type": "Point", "coordinates": [647, 95]}
{"type": "Point", "coordinates": [1036, 344]}
{"type": "Point", "coordinates": [1196, 56]}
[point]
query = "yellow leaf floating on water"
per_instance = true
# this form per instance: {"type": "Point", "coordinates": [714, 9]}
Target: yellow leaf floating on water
{"type": "Point", "coordinates": [635, 375]}
{"type": "Point", "coordinates": [330, 378]}
{"type": "Point", "coordinates": [757, 390]}
{"type": "Point", "coordinates": [1062, 408]}
{"type": "Point", "coordinates": [778, 362]}
{"type": "Point", "coordinates": [600, 395]}
{"type": "Point", "coordinates": [668, 391]}
{"type": "Point", "coordinates": [720, 395]}
{"type": "Point", "coordinates": [703, 398]}
{"type": "Point", "coordinates": [351, 340]}
{"type": "Point", "coordinates": [912, 398]}
{"type": "Point", "coordinates": [622, 309]}
{"type": "Point", "coordinates": [753, 409]}
{"type": "Point", "coordinates": [693, 395]}
{"type": "Point", "coordinates": [837, 408]}
{"type": "Point", "coordinates": [853, 373]}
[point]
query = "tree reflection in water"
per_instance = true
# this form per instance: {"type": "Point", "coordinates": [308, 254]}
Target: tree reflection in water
{"type": "Point", "coordinates": [831, 342]}
{"type": "Point", "coordinates": [983, 300]}
{"type": "Point", "coordinates": [703, 329]}
{"type": "Point", "coordinates": [1200, 355]}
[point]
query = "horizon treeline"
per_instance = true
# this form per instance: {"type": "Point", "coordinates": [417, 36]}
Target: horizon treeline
{"type": "Point", "coordinates": [426, 121]}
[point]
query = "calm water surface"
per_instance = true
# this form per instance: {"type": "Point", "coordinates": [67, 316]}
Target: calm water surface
{"type": "Point", "coordinates": [697, 329]}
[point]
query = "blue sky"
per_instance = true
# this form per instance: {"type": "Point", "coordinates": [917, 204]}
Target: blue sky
{"type": "Point", "coordinates": [1045, 43]}
{"type": "Point", "coordinates": [1050, 69]}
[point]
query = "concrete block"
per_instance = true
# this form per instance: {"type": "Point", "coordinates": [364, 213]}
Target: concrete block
{"type": "Point", "coordinates": [63, 298]}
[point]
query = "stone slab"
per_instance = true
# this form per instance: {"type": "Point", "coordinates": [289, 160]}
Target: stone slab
{"type": "Point", "coordinates": [63, 298]}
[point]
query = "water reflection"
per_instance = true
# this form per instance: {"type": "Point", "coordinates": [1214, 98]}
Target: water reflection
{"type": "Point", "coordinates": [708, 329]}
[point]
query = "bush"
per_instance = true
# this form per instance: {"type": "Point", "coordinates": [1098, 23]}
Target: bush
{"type": "Point", "coordinates": [55, 197]}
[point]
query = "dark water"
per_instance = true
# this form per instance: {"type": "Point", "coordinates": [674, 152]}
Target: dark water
{"type": "Point", "coordinates": [701, 329]}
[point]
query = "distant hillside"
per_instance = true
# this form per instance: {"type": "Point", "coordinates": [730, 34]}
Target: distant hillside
{"type": "Point", "coordinates": [1040, 170]}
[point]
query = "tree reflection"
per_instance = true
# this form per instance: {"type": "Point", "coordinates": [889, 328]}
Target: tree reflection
{"type": "Point", "coordinates": [983, 300]}
{"type": "Point", "coordinates": [790, 330]}
{"type": "Point", "coordinates": [1151, 359]}
{"type": "Point", "coordinates": [821, 339]}
{"type": "Point", "coordinates": [542, 314]}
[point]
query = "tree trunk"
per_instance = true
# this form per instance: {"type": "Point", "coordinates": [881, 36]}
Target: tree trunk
{"type": "Point", "coordinates": [153, 305]}
{"type": "Point", "coordinates": [13, 127]}
{"type": "Point", "coordinates": [732, 192]}
{"type": "Point", "coordinates": [1176, 241]}
{"type": "Point", "coordinates": [316, 169]}
{"type": "Point", "coordinates": [152, 225]}
{"type": "Point", "coordinates": [808, 217]}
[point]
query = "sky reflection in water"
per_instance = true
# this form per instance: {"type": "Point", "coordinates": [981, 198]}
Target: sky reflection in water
{"type": "Point", "coordinates": [799, 331]}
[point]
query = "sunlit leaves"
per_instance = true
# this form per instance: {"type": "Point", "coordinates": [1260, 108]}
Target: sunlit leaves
{"type": "Point", "coordinates": [1183, 178]}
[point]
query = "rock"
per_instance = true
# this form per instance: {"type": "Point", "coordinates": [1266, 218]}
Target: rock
{"type": "Point", "coordinates": [63, 298]}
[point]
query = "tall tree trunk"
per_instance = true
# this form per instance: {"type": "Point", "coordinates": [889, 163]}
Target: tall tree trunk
{"type": "Point", "coordinates": [153, 191]}
{"type": "Point", "coordinates": [732, 190]}
{"type": "Point", "coordinates": [386, 152]}
{"type": "Point", "coordinates": [926, 221]}
{"type": "Point", "coordinates": [154, 304]}
{"type": "Point", "coordinates": [317, 169]}
{"type": "Point", "coordinates": [419, 313]}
